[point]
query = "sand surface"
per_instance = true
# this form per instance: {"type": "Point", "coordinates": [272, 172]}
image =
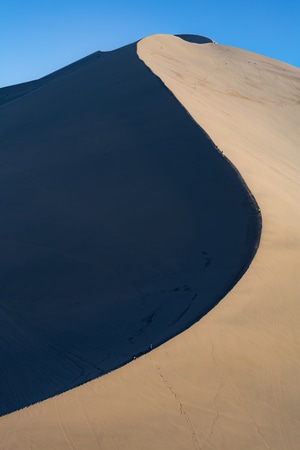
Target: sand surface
{"type": "Point", "coordinates": [231, 380]}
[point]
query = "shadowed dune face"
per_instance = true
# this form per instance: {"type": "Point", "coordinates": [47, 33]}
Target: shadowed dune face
{"type": "Point", "coordinates": [121, 225]}
{"type": "Point", "coordinates": [195, 39]}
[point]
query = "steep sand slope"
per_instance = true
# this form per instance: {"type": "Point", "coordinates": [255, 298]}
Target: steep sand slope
{"type": "Point", "coordinates": [231, 380]}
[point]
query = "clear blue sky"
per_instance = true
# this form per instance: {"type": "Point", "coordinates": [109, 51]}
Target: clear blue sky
{"type": "Point", "coordinates": [40, 36]}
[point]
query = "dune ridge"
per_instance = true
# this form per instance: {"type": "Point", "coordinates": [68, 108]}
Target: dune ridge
{"type": "Point", "coordinates": [231, 380]}
{"type": "Point", "coordinates": [10, 93]}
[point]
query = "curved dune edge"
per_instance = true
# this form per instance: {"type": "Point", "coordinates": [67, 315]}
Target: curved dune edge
{"type": "Point", "coordinates": [230, 381]}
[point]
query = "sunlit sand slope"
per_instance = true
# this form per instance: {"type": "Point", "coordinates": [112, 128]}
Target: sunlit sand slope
{"type": "Point", "coordinates": [231, 380]}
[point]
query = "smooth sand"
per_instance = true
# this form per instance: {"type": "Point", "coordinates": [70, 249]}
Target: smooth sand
{"type": "Point", "coordinates": [231, 380]}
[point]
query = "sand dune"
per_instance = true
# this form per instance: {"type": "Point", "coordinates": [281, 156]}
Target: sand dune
{"type": "Point", "coordinates": [109, 238]}
{"type": "Point", "coordinates": [231, 380]}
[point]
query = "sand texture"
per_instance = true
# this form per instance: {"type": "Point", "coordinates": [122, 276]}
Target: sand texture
{"type": "Point", "coordinates": [231, 380]}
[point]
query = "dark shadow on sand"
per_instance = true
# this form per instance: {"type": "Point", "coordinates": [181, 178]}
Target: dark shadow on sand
{"type": "Point", "coordinates": [195, 38]}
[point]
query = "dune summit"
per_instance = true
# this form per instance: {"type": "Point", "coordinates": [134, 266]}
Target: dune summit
{"type": "Point", "coordinates": [122, 224]}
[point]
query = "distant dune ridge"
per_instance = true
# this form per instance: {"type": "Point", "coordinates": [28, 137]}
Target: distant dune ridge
{"type": "Point", "coordinates": [109, 186]}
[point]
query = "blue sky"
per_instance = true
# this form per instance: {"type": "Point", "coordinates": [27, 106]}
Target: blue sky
{"type": "Point", "coordinates": [40, 36]}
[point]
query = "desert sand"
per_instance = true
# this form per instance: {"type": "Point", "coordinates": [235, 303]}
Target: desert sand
{"type": "Point", "coordinates": [231, 380]}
